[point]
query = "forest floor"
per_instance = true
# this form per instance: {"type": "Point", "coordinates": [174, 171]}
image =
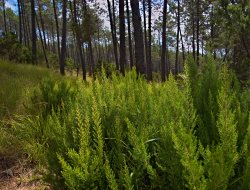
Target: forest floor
{"type": "Point", "coordinates": [16, 174]}
{"type": "Point", "coordinates": [17, 84]}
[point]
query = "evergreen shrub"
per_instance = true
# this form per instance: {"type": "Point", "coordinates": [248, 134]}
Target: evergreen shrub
{"type": "Point", "coordinates": [124, 133]}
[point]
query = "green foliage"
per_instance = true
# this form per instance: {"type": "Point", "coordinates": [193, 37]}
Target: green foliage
{"type": "Point", "coordinates": [123, 133]}
{"type": "Point", "coordinates": [53, 60]}
{"type": "Point", "coordinates": [11, 49]}
{"type": "Point", "coordinates": [106, 67]}
{"type": "Point", "coordinates": [52, 95]}
{"type": "Point", "coordinates": [17, 83]}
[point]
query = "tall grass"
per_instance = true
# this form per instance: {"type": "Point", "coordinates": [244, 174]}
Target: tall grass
{"type": "Point", "coordinates": [17, 85]}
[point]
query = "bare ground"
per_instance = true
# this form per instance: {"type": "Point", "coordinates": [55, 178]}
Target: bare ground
{"type": "Point", "coordinates": [19, 174]}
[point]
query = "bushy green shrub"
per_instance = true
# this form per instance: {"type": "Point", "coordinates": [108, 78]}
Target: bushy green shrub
{"type": "Point", "coordinates": [124, 133]}
{"type": "Point", "coordinates": [11, 49]}
{"type": "Point", "coordinates": [107, 67]}
{"type": "Point", "coordinates": [51, 95]}
{"type": "Point", "coordinates": [53, 60]}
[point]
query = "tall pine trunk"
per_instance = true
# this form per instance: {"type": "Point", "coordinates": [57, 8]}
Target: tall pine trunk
{"type": "Point", "coordinates": [198, 31]}
{"type": "Point", "coordinates": [33, 28]}
{"type": "Point", "coordinates": [20, 21]}
{"type": "Point", "coordinates": [182, 47]}
{"type": "Point", "coordinates": [42, 24]}
{"type": "Point", "coordinates": [164, 42]}
{"type": "Point", "coordinates": [57, 29]}
{"type": "Point", "coordinates": [78, 41]}
{"type": "Point", "coordinates": [193, 30]}
{"type": "Point", "coordinates": [138, 36]}
{"type": "Point", "coordinates": [145, 32]}
{"type": "Point", "coordinates": [4, 18]}
{"type": "Point", "coordinates": [122, 37]}
{"type": "Point", "coordinates": [113, 35]}
{"type": "Point", "coordinates": [177, 40]}
{"type": "Point", "coordinates": [131, 56]}
{"type": "Point", "coordinates": [41, 38]}
{"type": "Point", "coordinates": [64, 35]}
{"type": "Point", "coordinates": [149, 62]}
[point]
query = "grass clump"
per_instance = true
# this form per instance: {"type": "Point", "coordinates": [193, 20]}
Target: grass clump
{"type": "Point", "coordinates": [17, 84]}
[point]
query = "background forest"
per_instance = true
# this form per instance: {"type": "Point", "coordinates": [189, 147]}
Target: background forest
{"type": "Point", "coordinates": [125, 94]}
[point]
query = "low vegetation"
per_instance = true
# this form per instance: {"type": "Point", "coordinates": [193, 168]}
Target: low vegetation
{"type": "Point", "coordinates": [125, 133]}
{"type": "Point", "coordinates": [17, 83]}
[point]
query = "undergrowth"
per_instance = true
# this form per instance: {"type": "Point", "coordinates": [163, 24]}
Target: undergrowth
{"type": "Point", "coordinates": [124, 133]}
{"type": "Point", "coordinates": [17, 85]}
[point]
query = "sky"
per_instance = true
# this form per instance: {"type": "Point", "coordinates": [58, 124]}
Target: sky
{"type": "Point", "coordinates": [11, 4]}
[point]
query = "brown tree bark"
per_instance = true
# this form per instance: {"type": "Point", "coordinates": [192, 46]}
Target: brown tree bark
{"type": "Point", "coordinates": [131, 56]}
{"type": "Point", "coordinates": [33, 28]}
{"type": "Point", "coordinates": [177, 40]}
{"type": "Point", "coordinates": [113, 35]}
{"type": "Point", "coordinates": [20, 21]}
{"type": "Point", "coordinates": [64, 35]}
{"type": "Point", "coordinates": [4, 18]}
{"type": "Point", "coordinates": [42, 42]}
{"type": "Point", "coordinates": [198, 32]}
{"type": "Point", "coordinates": [145, 32]}
{"type": "Point", "coordinates": [79, 42]}
{"type": "Point", "coordinates": [138, 35]}
{"type": "Point", "coordinates": [42, 24]}
{"type": "Point", "coordinates": [164, 42]}
{"type": "Point", "coordinates": [193, 30]}
{"type": "Point", "coordinates": [122, 37]}
{"type": "Point", "coordinates": [57, 28]}
{"type": "Point", "coordinates": [149, 62]}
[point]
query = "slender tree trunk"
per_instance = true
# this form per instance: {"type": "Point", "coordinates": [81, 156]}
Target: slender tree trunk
{"type": "Point", "coordinates": [27, 25]}
{"type": "Point", "coordinates": [88, 61]}
{"type": "Point", "coordinates": [4, 18]}
{"type": "Point", "coordinates": [20, 21]}
{"type": "Point", "coordinates": [23, 23]}
{"type": "Point", "coordinates": [79, 43]}
{"type": "Point", "coordinates": [164, 42]}
{"type": "Point", "coordinates": [98, 44]}
{"type": "Point", "coordinates": [107, 49]}
{"type": "Point", "coordinates": [182, 47]}
{"type": "Point", "coordinates": [57, 28]}
{"type": "Point", "coordinates": [145, 32]}
{"type": "Point", "coordinates": [149, 62]}
{"type": "Point", "coordinates": [64, 35]}
{"type": "Point", "coordinates": [177, 40]}
{"type": "Point", "coordinates": [131, 56]}
{"type": "Point", "coordinates": [198, 32]}
{"type": "Point", "coordinates": [113, 35]}
{"type": "Point", "coordinates": [212, 30]}
{"type": "Point", "coordinates": [114, 28]}
{"type": "Point", "coordinates": [41, 38]}
{"type": "Point", "coordinates": [48, 41]}
{"type": "Point", "coordinates": [193, 30]}
{"type": "Point", "coordinates": [91, 55]}
{"type": "Point", "coordinates": [42, 23]}
{"type": "Point", "coordinates": [138, 35]}
{"type": "Point", "coordinates": [202, 46]}
{"type": "Point", "coordinates": [114, 18]}
{"type": "Point", "coordinates": [122, 37]}
{"type": "Point", "coordinates": [53, 36]}
{"type": "Point", "coordinates": [34, 37]}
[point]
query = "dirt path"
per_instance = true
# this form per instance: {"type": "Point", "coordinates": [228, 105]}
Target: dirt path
{"type": "Point", "coordinates": [19, 175]}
